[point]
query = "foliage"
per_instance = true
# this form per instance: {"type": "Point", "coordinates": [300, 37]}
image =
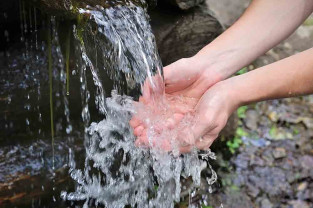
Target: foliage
{"type": "Point", "coordinates": [308, 22]}
{"type": "Point", "coordinates": [234, 144]}
{"type": "Point", "coordinates": [241, 111]}
{"type": "Point", "coordinates": [295, 131]}
{"type": "Point", "coordinates": [242, 71]}
{"type": "Point", "coordinates": [204, 206]}
{"type": "Point", "coordinates": [273, 131]}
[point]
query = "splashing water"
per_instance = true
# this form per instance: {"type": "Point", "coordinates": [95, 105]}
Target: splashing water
{"type": "Point", "coordinates": [116, 172]}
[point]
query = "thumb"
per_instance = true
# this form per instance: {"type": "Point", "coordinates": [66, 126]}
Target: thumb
{"type": "Point", "coordinates": [203, 122]}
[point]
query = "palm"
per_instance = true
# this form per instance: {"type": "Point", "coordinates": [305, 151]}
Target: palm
{"type": "Point", "coordinates": [171, 113]}
{"type": "Point", "coordinates": [184, 78]}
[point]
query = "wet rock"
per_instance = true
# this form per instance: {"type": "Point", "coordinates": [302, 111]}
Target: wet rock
{"type": "Point", "coordinates": [279, 152]}
{"type": "Point", "coordinates": [184, 4]}
{"type": "Point", "coordinates": [306, 162]}
{"type": "Point", "coordinates": [260, 142]}
{"type": "Point", "coordinates": [302, 186]}
{"type": "Point", "coordinates": [182, 34]}
{"type": "Point", "coordinates": [271, 170]}
{"type": "Point", "coordinates": [298, 204]}
{"type": "Point", "coordinates": [242, 161]}
{"type": "Point", "coordinates": [255, 160]}
{"type": "Point", "coordinates": [308, 122]}
{"type": "Point", "coordinates": [252, 190]}
{"type": "Point", "coordinates": [268, 157]}
{"type": "Point", "coordinates": [68, 7]}
{"type": "Point", "coordinates": [271, 180]}
{"type": "Point", "coordinates": [228, 11]}
{"type": "Point", "coordinates": [273, 116]}
{"type": "Point", "coordinates": [264, 121]}
{"type": "Point", "coordinates": [236, 199]}
{"type": "Point", "coordinates": [251, 119]}
{"type": "Point", "coordinates": [265, 203]}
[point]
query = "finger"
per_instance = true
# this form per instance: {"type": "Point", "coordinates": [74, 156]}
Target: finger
{"type": "Point", "coordinates": [205, 143]}
{"type": "Point", "coordinates": [173, 72]}
{"type": "Point", "coordinates": [142, 140]}
{"type": "Point", "coordinates": [138, 130]}
{"type": "Point", "coordinates": [143, 100]}
{"type": "Point", "coordinates": [164, 145]}
{"type": "Point", "coordinates": [171, 123]}
{"type": "Point", "coordinates": [185, 149]}
{"type": "Point", "coordinates": [204, 122]}
{"type": "Point", "coordinates": [134, 122]}
{"type": "Point", "coordinates": [172, 83]}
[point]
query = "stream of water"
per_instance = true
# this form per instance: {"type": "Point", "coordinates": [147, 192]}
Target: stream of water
{"type": "Point", "coordinates": [118, 47]}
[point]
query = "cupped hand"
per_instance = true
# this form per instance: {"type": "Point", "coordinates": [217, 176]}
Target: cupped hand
{"type": "Point", "coordinates": [178, 119]}
{"type": "Point", "coordinates": [212, 113]}
{"type": "Point", "coordinates": [189, 78]}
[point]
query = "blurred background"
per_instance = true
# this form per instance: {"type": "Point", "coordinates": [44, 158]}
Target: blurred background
{"type": "Point", "coordinates": [273, 165]}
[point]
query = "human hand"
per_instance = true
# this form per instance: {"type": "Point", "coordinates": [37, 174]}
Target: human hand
{"type": "Point", "coordinates": [159, 117]}
{"type": "Point", "coordinates": [186, 123]}
{"type": "Point", "coordinates": [188, 77]}
{"type": "Point", "coordinates": [212, 113]}
{"type": "Point", "coordinates": [185, 83]}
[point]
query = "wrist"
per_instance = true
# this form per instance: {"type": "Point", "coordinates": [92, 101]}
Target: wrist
{"type": "Point", "coordinates": [229, 90]}
{"type": "Point", "coordinates": [222, 63]}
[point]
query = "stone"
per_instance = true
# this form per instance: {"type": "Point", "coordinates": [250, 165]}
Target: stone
{"type": "Point", "coordinates": [302, 186]}
{"type": "Point", "coordinates": [306, 161]}
{"type": "Point", "coordinates": [267, 156]}
{"type": "Point", "coordinates": [298, 204]}
{"type": "Point", "coordinates": [182, 4]}
{"type": "Point", "coordinates": [255, 160]}
{"type": "Point", "coordinates": [251, 119]}
{"type": "Point", "coordinates": [273, 116]}
{"type": "Point", "coordinates": [265, 203]}
{"type": "Point", "coordinates": [279, 152]}
{"type": "Point", "coordinates": [252, 190]}
{"type": "Point", "coordinates": [182, 34]}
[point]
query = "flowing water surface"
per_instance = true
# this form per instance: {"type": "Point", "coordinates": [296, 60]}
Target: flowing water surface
{"type": "Point", "coordinates": [80, 93]}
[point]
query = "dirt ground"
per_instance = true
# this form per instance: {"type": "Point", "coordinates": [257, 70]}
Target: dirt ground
{"type": "Point", "coordinates": [273, 167]}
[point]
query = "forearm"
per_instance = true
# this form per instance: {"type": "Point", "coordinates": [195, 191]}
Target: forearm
{"type": "Point", "coordinates": [263, 25]}
{"type": "Point", "coordinates": [289, 77]}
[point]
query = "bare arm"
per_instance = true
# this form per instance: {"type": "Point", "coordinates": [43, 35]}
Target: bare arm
{"type": "Point", "coordinates": [263, 25]}
{"type": "Point", "coordinates": [289, 77]}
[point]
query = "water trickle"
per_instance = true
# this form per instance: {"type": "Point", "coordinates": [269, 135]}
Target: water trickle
{"type": "Point", "coordinates": [116, 172]}
{"type": "Point", "coordinates": [21, 20]}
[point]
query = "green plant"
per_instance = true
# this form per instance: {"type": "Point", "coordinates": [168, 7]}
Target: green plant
{"type": "Point", "coordinates": [273, 131]}
{"type": "Point", "coordinates": [242, 71]}
{"type": "Point", "coordinates": [234, 144]}
{"type": "Point", "coordinates": [204, 206]}
{"type": "Point", "coordinates": [295, 131]}
{"type": "Point", "coordinates": [241, 111]}
{"type": "Point", "coordinates": [308, 22]}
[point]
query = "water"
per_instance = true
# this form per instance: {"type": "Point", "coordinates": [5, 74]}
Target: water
{"type": "Point", "coordinates": [116, 172]}
{"type": "Point", "coordinates": [115, 53]}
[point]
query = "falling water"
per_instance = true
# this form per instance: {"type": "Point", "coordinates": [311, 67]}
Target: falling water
{"type": "Point", "coordinates": [116, 172]}
{"type": "Point", "coordinates": [115, 54]}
